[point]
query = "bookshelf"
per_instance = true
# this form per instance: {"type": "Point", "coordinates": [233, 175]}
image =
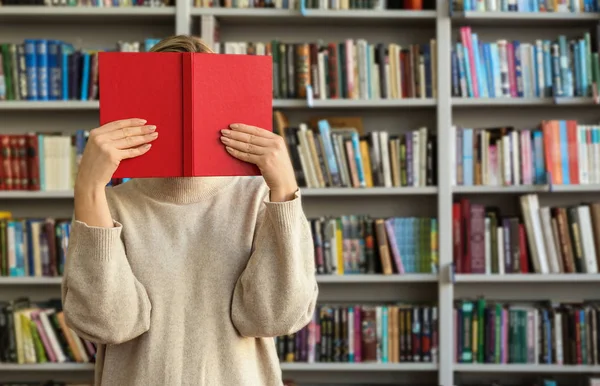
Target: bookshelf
{"type": "Point", "coordinates": [399, 115]}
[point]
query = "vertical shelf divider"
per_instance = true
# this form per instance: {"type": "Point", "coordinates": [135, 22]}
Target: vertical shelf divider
{"type": "Point", "coordinates": [444, 198]}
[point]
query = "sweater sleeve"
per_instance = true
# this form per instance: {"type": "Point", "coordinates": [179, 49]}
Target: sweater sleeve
{"type": "Point", "coordinates": [277, 292]}
{"type": "Point", "coordinates": [103, 301]}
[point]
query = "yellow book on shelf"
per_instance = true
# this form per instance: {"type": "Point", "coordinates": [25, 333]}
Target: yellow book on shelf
{"type": "Point", "coordinates": [364, 152]}
{"type": "Point", "coordinates": [339, 242]}
{"type": "Point", "coordinates": [5, 215]}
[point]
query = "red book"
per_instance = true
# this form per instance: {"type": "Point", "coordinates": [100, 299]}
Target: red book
{"type": "Point", "coordinates": [457, 237]}
{"type": "Point", "coordinates": [190, 97]}
{"type": "Point", "coordinates": [572, 150]}
{"type": "Point", "coordinates": [523, 249]}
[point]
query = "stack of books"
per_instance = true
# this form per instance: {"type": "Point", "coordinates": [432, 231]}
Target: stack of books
{"type": "Point", "coordinates": [37, 333]}
{"type": "Point", "coordinates": [542, 240]}
{"type": "Point", "coordinates": [53, 70]}
{"type": "Point", "coordinates": [46, 162]}
{"type": "Point", "coordinates": [564, 6]}
{"type": "Point", "coordinates": [391, 333]}
{"type": "Point", "coordinates": [352, 69]}
{"type": "Point", "coordinates": [558, 152]}
{"type": "Point", "coordinates": [33, 247]}
{"type": "Point", "coordinates": [339, 155]}
{"type": "Point", "coordinates": [363, 245]}
{"type": "Point", "coordinates": [546, 333]}
{"type": "Point", "coordinates": [564, 67]}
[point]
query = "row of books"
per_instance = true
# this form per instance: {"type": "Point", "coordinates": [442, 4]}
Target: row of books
{"type": "Point", "coordinates": [543, 240]}
{"type": "Point", "coordinates": [360, 244]}
{"type": "Point", "coordinates": [546, 333]}
{"type": "Point", "coordinates": [352, 69]}
{"type": "Point", "coordinates": [46, 162]}
{"type": "Point", "coordinates": [42, 70]}
{"type": "Point", "coordinates": [390, 333]}
{"type": "Point", "coordinates": [565, 67]}
{"type": "Point", "coordinates": [36, 332]}
{"type": "Point", "coordinates": [90, 3]}
{"type": "Point", "coordinates": [573, 6]}
{"type": "Point", "coordinates": [320, 4]}
{"type": "Point", "coordinates": [335, 154]}
{"type": "Point", "coordinates": [556, 152]}
{"type": "Point", "coordinates": [34, 246]}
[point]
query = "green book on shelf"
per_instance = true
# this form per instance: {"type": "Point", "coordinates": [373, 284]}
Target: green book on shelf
{"type": "Point", "coordinates": [37, 343]}
{"type": "Point", "coordinates": [6, 66]}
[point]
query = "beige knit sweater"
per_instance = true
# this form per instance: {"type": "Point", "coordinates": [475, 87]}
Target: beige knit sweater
{"type": "Point", "coordinates": [192, 283]}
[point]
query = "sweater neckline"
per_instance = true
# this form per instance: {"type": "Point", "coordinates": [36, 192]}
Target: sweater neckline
{"type": "Point", "coordinates": [182, 190]}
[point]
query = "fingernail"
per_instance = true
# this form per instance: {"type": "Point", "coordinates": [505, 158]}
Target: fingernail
{"type": "Point", "coordinates": [154, 135]}
{"type": "Point", "coordinates": [151, 128]}
{"type": "Point", "coordinates": [225, 132]}
{"type": "Point", "coordinates": [147, 146]}
{"type": "Point", "coordinates": [143, 121]}
{"type": "Point", "coordinates": [224, 139]}
{"type": "Point", "coordinates": [235, 126]}
{"type": "Point", "coordinates": [228, 149]}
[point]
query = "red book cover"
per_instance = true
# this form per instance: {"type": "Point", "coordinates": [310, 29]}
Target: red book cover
{"type": "Point", "coordinates": [573, 155]}
{"type": "Point", "coordinates": [466, 235]}
{"type": "Point", "coordinates": [457, 237]}
{"type": "Point", "coordinates": [190, 97]}
{"type": "Point", "coordinates": [2, 155]}
{"type": "Point", "coordinates": [523, 249]}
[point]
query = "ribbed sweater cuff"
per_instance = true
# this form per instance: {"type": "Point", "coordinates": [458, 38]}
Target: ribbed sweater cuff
{"type": "Point", "coordinates": [285, 215]}
{"type": "Point", "coordinates": [96, 242]}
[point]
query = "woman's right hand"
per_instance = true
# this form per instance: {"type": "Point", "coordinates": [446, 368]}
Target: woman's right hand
{"type": "Point", "coordinates": [107, 146]}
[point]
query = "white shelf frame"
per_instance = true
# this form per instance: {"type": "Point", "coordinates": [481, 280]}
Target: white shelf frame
{"type": "Point", "coordinates": [525, 278]}
{"type": "Point", "coordinates": [184, 14]}
{"type": "Point", "coordinates": [525, 368]}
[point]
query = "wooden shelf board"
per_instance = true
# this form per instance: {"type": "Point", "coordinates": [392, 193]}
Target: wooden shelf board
{"type": "Point", "coordinates": [30, 281]}
{"type": "Point", "coordinates": [527, 278]}
{"type": "Point", "coordinates": [377, 278]}
{"type": "Point", "coordinates": [537, 19]}
{"type": "Point", "coordinates": [47, 367]}
{"type": "Point", "coordinates": [359, 366]}
{"type": "Point", "coordinates": [524, 368]}
{"type": "Point", "coordinates": [521, 102]}
{"type": "Point", "coordinates": [378, 191]}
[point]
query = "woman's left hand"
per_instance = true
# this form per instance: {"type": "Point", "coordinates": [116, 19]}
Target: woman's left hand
{"type": "Point", "coordinates": [267, 151]}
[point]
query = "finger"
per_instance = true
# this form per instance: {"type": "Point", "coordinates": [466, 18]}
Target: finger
{"type": "Point", "coordinates": [131, 131]}
{"type": "Point", "coordinates": [248, 138]}
{"type": "Point", "coordinates": [134, 151]}
{"type": "Point", "coordinates": [247, 157]}
{"type": "Point", "coordinates": [245, 147]}
{"type": "Point", "coordinates": [240, 127]}
{"type": "Point", "coordinates": [116, 125]}
{"type": "Point", "coordinates": [128, 142]}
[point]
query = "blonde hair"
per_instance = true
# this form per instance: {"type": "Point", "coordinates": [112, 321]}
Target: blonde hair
{"type": "Point", "coordinates": [182, 43]}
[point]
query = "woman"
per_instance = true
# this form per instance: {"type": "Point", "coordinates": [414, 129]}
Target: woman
{"type": "Point", "coordinates": [185, 281]}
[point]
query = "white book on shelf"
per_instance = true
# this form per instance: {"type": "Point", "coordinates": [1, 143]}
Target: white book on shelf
{"type": "Point", "coordinates": [582, 155]}
{"type": "Point", "coordinates": [587, 239]}
{"type": "Point", "coordinates": [516, 162]}
{"type": "Point", "coordinates": [453, 155]}
{"type": "Point", "coordinates": [549, 239]}
{"type": "Point", "coordinates": [416, 158]}
{"type": "Point", "coordinates": [385, 158]}
{"type": "Point", "coordinates": [596, 152]}
{"type": "Point", "coordinates": [558, 341]}
{"type": "Point", "coordinates": [56, 347]}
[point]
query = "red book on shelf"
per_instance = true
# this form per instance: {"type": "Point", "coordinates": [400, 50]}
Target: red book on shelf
{"type": "Point", "coordinates": [190, 97]}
